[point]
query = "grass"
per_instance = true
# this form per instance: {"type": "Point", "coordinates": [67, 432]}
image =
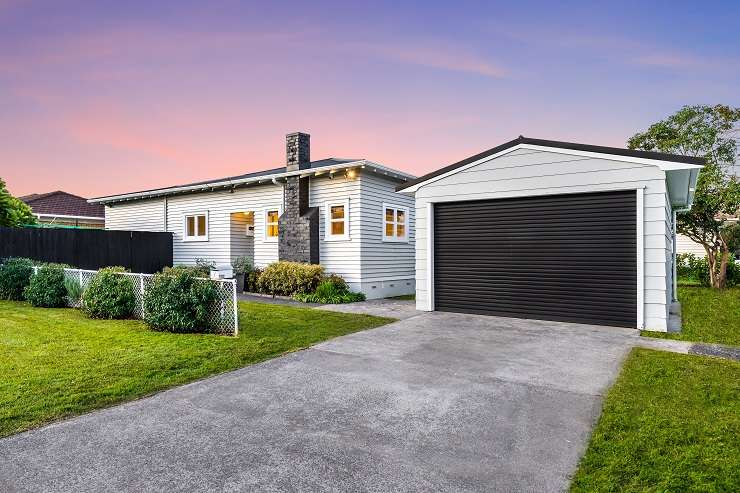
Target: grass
{"type": "Point", "coordinates": [708, 315]}
{"type": "Point", "coordinates": [56, 363]}
{"type": "Point", "coordinates": [670, 423]}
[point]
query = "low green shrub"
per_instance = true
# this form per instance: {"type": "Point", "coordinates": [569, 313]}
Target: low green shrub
{"type": "Point", "coordinates": [252, 280]}
{"type": "Point", "coordinates": [109, 295]}
{"type": "Point", "coordinates": [289, 278]}
{"type": "Point", "coordinates": [192, 269]}
{"type": "Point", "coordinates": [242, 265]}
{"type": "Point", "coordinates": [691, 268]}
{"type": "Point", "coordinates": [46, 288]}
{"type": "Point", "coordinates": [176, 301]}
{"type": "Point", "coordinates": [330, 291]}
{"type": "Point", "coordinates": [15, 276]}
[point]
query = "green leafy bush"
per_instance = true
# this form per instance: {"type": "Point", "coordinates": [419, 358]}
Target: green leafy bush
{"type": "Point", "coordinates": [176, 301]}
{"type": "Point", "coordinates": [46, 288]}
{"type": "Point", "coordinates": [242, 265]}
{"type": "Point", "coordinates": [74, 291]}
{"type": "Point", "coordinates": [691, 268]}
{"type": "Point", "coordinates": [252, 281]}
{"type": "Point", "coordinates": [330, 291]}
{"type": "Point", "coordinates": [289, 278]}
{"type": "Point", "coordinates": [110, 295]}
{"type": "Point", "coordinates": [15, 275]}
{"type": "Point", "coordinates": [192, 269]}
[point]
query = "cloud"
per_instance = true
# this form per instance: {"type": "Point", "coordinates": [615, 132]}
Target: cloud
{"type": "Point", "coordinates": [435, 56]}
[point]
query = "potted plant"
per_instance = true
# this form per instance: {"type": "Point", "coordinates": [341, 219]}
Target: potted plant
{"type": "Point", "coordinates": [242, 266]}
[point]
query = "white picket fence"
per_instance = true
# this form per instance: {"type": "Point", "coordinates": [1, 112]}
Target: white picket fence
{"type": "Point", "coordinates": [223, 315]}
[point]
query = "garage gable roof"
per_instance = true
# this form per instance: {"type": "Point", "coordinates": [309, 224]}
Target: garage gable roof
{"type": "Point", "coordinates": [655, 158]}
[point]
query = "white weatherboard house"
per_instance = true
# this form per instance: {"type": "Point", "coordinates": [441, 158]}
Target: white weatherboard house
{"type": "Point", "coordinates": [553, 231]}
{"type": "Point", "coordinates": [342, 213]}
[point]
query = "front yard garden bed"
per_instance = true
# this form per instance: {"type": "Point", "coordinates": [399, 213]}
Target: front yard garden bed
{"type": "Point", "coordinates": [670, 423]}
{"type": "Point", "coordinates": [57, 363]}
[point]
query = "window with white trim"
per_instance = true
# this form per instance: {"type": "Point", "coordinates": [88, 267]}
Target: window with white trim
{"type": "Point", "coordinates": [337, 221]}
{"type": "Point", "coordinates": [272, 226]}
{"type": "Point", "coordinates": [395, 223]}
{"type": "Point", "coordinates": [196, 227]}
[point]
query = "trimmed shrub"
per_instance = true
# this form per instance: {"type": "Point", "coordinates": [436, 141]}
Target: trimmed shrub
{"type": "Point", "coordinates": [330, 291]}
{"type": "Point", "coordinates": [191, 269]}
{"type": "Point", "coordinates": [176, 301]}
{"type": "Point", "coordinates": [46, 288]}
{"type": "Point", "coordinates": [109, 295]}
{"type": "Point", "coordinates": [252, 281]}
{"type": "Point", "coordinates": [15, 276]}
{"type": "Point", "coordinates": [289, 278]}
{"type": "Point", "coordinates": [338, 281]}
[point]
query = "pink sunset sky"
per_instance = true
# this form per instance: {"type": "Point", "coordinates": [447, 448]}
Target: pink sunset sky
{"type": "Point", "coordinates": [106, 97]}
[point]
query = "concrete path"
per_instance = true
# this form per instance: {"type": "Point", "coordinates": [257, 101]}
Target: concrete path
{"type": "Point", "coordinates": [389, 307]}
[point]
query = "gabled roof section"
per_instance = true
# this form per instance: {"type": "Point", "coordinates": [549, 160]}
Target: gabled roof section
{"type": "Point", "coordinates": [528, 142]}
{"type": "Point", "coordinates": [328, 165]}
{"type": "Point", "coordinates": [60, 203]}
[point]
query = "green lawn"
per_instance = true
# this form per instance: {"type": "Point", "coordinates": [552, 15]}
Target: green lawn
{"type": "Point", "coordinates": [708, 315]}
{"type": "Point", "coordinates": [57, 363]}
{"type": "Point", "coordinates": [670, 423]}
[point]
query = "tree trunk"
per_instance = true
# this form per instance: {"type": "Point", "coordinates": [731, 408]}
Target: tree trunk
{"type": "Point", "coordinates": [718, 257]}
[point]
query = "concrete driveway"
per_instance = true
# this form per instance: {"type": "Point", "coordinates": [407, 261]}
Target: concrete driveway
{"type": "Point", "coordinates": [431, 403]}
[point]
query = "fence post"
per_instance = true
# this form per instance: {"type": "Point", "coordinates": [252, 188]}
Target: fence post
{"type": "Point", "coordinates": [236, 308]}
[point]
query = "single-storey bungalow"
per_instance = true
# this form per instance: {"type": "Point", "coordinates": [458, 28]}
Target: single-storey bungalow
{"type": "Point", "coordinates": [342, 213]}
{"type": "Point", "coordinates": [554, 231]}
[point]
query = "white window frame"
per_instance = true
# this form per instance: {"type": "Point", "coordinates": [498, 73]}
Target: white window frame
{"type": "Point", "coordinates": [185, 236]}
{"type": "Point", "coordinates": [407, 221]}
{"type": "Point", "coordinates": [270, 239]}
{"type": "Point", "coordinates": [328, 236]}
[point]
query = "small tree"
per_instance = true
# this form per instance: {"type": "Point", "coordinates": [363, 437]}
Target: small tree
{"type": "Point", "coordinates": [710, 132]}
{"type": "Point", "coordinates": [14, 213]}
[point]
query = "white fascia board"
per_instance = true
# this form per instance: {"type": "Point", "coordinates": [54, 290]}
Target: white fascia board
{"type": "Point", "coordinates": [664, 165]}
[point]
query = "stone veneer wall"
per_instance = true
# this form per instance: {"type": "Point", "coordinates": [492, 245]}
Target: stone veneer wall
{"type": "Point", "coordinates": [298, 237]}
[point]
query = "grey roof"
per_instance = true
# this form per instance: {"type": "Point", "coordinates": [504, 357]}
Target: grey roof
{"type": "Point", "coordinates": [332, 161]}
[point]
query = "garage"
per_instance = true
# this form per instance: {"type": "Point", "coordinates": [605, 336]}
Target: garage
{"type": "Point", "coordinates": [552, 230]}
{"type": "Point", "coordinates": [571, 258]}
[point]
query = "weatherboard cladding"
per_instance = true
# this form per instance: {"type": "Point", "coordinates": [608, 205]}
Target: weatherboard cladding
{"type": "Point", "coordinates": [364, 257]}
{"type": "Point", "coordinates": [526, 172]}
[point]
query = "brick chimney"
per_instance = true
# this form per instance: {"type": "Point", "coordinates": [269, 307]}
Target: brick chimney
{"type": "Point", "coordinates": [297, 151]}
{"type": "Point", "coordinates": [298, 237]}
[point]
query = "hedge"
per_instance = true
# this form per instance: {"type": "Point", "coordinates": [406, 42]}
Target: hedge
{"type": "Point", "coordinates": [109, 295]}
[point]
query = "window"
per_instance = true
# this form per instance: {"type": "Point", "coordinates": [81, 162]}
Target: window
{"type": "Point", "coordinates": [196, 227]}
{"type": "Point", "coordinates": [272, 227]}
{"type": "Point", "coordinates": [395, 223]}
{"type": "Point", "coordinates": [337, 221]}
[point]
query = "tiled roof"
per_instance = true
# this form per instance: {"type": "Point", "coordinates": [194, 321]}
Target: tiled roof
{"type": "Point", "coordinates": [63, 204]}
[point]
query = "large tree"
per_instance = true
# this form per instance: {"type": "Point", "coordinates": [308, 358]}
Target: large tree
{"type": "Point", "coordinates": [710, 132]}
{"type": "Point", "coordinates": [14, 213]}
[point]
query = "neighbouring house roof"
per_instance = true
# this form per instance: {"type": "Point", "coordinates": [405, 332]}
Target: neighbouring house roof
{"type": "Point", "coordinates": [528, 141]}
{"type": "Point", "coordinates": [63, 204]}
{"type": "Point", "coordinates": [329, 165]}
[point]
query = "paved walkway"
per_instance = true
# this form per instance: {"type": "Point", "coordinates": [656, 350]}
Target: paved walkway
{"type": "Point", "coordinates": [387, 307]}
{"type": "Point", "coordinates": [435, 402]}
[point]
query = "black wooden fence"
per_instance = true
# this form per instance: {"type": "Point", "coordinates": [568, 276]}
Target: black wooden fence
{"type": "Point", "coordinates": [139, 251]}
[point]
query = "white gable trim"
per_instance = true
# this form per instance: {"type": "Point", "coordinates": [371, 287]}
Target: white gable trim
{"type": "Point", "coordinates": [664, 165]}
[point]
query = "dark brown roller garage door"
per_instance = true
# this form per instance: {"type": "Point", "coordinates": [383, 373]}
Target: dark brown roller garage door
{"type": "Point", "coordinates": [569, 258]}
